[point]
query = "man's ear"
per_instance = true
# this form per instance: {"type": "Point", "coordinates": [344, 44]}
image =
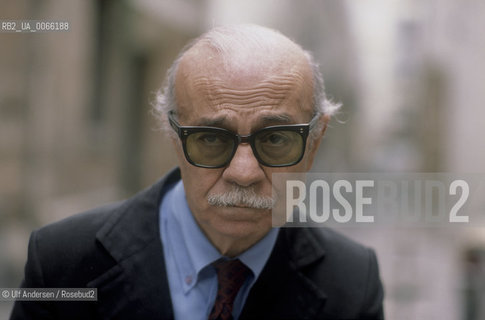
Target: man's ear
{"type": "Point", "coordinates": [315, 140]}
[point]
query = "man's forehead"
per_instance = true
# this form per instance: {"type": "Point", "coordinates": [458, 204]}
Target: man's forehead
{"type": "Point", "coordinates": [245, 82]}
{"type": "Point", "coordinates": [271, 89]}
{"type": "Point", "coordinates": [207, 82]}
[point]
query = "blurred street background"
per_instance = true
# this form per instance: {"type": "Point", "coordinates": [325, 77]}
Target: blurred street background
{"type": "Point", "coordinates": [76, 129]}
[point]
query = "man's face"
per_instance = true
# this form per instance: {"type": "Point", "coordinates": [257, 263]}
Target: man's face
{"type": "Point", "coordinates": [242, 100]}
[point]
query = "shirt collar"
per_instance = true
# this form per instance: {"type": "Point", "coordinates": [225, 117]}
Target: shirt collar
{"type": "Point", "coordinates": [255, 257]}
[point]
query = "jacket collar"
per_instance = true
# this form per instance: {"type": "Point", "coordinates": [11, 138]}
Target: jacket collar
{"type": "Point", "coordinates": [137, 285]}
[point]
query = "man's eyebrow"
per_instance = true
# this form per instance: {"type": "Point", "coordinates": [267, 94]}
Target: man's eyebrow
{"type": "Point", "coordinates": [211, 122]}
{"type": "Point", "coordinates": [275, 119]}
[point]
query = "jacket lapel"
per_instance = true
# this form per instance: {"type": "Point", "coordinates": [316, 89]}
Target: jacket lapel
{"type": "Point", "coordinates": [137, 286]}
{"type": "Point", "coordinates": [283, 291]}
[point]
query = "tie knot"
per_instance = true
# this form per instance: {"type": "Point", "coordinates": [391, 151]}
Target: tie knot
{"type": "Point", "coordinates": [231, 271]}
{"type": "Point", "coordinates": [231, 275]}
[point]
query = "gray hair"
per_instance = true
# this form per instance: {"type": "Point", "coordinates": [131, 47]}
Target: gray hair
{"type": "Point", "coordinates": [232, 38]}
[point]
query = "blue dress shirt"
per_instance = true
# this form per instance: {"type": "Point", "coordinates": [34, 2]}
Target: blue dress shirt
{"type": "Point", "coordinates": [188, 257]}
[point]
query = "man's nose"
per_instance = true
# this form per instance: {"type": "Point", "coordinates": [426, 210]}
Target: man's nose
{"type": "Point", "coordinates": [244, 169]}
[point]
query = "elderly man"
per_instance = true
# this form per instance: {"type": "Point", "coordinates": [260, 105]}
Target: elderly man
{"type": "Point", "coordinates": [241, 102]}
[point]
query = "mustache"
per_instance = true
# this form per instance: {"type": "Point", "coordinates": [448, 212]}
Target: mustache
{"type": "Point", "coordinates": [241, 197]}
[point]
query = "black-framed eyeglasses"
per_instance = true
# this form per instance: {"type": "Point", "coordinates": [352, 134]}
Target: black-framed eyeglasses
{"type": "Point", "coordinates": [211, 147]}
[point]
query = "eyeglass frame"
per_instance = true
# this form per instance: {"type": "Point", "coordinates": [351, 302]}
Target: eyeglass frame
{"type": "Point", "coordinates": [184, 131]}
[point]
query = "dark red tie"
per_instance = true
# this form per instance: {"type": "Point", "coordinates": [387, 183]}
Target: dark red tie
{"type": "Point", "coordinates": [230, 276]}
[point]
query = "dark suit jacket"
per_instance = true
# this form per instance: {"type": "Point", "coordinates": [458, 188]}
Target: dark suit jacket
{"type": "Point", "coordinates": [311, 273]}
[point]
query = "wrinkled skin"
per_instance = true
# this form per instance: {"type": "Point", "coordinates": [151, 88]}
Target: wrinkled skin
{"type": "Point", "coordinates": [250, 92]}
